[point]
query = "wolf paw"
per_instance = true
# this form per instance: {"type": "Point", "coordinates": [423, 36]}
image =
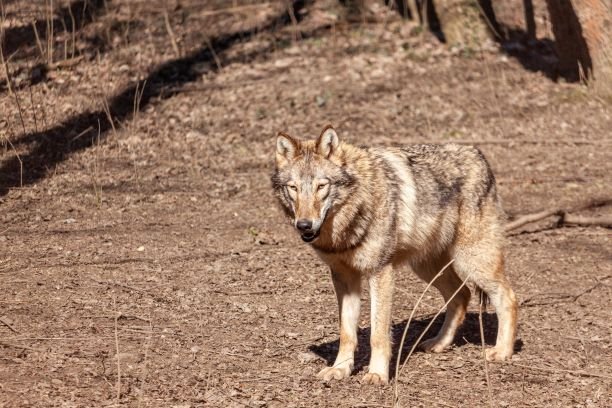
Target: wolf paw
{"type": "Point", "coordinates": [334, 373]}
{"type": "Point", "coordinates": [497, 354]}
{"type": "Point", "coordinates": [433, 345]}
{"type": "Point", "coordinates": [375, 379]}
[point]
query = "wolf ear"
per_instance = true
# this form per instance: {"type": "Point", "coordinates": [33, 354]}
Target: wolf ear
{"type": "Point", "coordinates": [328, 142]}
{"type": "Point", "coordinates": [286, 147]}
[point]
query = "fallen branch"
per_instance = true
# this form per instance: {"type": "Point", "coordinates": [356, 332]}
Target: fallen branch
{"type": "Point", "coordinates": [565, 215]}
{"type": "Point", "coordinates": [605, 221]}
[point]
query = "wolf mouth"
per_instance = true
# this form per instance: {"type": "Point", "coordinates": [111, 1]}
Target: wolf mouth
{"type": "Point", "coordinates": [310, 236]}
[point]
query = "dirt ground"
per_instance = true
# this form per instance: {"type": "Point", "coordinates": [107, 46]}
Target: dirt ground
{"type": "Point", "coordinates": [147, 264]}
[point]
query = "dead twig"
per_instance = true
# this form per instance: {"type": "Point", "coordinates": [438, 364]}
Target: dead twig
{"type": "Point", "coordinates": [65, 63]}
{"type": "Point", "coordinates": [563, 214]}
{"type": "Point", "coordinates": [254, 292]}
{"type": "Point", "coordinates": [579, 373]}
{"type": "Point", "coordinates": [11, 328]}
{"type": "Point", "coordinates": [89, 129]}
{"type": "Point", "coordinates": [235, 9]}
{"type": "Point", "coordinates": [18, 346]}
{"type": "Point", "coordinates": [121, 285]}
{"type": "Point", "coordinates": [562, 297]}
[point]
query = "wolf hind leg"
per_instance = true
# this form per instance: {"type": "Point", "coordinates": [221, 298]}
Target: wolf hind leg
{"type": "Point", "coordinates": [483, 263]}
{"type": "Point", "coordinates": [448, 283]}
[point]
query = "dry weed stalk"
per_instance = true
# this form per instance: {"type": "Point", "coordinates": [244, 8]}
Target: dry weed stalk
{"type": "Point", "coordinates": [4, 63]}
{"type": "Point", "coordinates": [38, 42]}
{"type": "Point", "coordinates": [33, 109]}
{"type": "Point", "coordinates": [175, 46]}
{"type": "Point", "coordinates": [418, 340]}
{"type": "Point", "coordinates": [118, 383]}
{"type": "Point", "coordinates": [8, 140]}
{"type": "Point", "coordinates": [95, 174]}
{"type": "Point", "coordinates": [481, 302]}
{"type": "Point", "coordinates": [50, 32]}
{"type": "Point", "coordinates": [73, 31]}
{"type": "Point", "coordinates": [296, 32]}
{"type": "Point", "coordinates": [416, 305]}
{"type": "Point", "coordinates": [214, 54]}
{"type": "Point", "coordinates": [138, 93]}
{"type": "Point", "coordinates": [109, 115]}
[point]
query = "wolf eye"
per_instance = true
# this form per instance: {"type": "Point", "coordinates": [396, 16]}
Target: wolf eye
{"type": "Point", "coordinates": [291, 187]}
{"type": "Point", "coordinates": [321, 186]}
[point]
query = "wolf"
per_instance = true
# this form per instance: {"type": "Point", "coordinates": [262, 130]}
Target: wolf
{"type": "Point", "coordinates": [370, 212]}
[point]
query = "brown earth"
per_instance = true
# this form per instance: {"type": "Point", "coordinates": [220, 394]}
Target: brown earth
{"type": "Point", "coordinates": [147, 264]}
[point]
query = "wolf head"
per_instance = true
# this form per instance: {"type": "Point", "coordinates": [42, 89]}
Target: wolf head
{"type": "Point", "coordinates": [311, 180]}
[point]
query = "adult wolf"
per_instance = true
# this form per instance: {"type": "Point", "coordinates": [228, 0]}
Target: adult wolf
{"type": "Point", "coordinates": [370, 211]}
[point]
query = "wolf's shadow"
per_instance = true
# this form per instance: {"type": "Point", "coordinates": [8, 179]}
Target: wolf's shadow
{"type": "Point", "coordinates": [468, 333]}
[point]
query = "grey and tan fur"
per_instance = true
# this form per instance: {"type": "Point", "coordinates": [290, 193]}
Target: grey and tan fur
{"type": "Point", "coordinates": [369, 212]}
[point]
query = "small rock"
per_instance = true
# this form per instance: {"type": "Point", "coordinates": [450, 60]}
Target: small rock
{"type": "Point", "coordinates": [307, 357]}
{"type": "Point", "coordinates": [130, 358]}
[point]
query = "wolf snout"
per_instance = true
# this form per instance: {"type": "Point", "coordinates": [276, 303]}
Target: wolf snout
{"type": "Point", "coordinates": [307, 230]}
{"type": "Point", "coordinates": [304, 225]}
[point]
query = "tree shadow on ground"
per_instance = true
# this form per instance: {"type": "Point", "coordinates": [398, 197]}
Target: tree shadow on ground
{"type": "Point", "coordinates": [48, 148]}
{"type": "Point", "coordinates": [468, 333]}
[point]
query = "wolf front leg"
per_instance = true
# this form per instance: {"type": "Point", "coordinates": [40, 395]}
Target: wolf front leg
{"type": "Point", "coordinates": [381, 297]}
{"type": "Point", "coordinates": [347, 284]}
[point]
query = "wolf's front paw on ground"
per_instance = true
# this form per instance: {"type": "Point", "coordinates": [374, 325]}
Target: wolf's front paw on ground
{"type": "Point", "coordinates": [375, 379]}
{"type": "Point", "coordinates": [335, 373]}
{"type": "Point", "coordinates": [498, 354]}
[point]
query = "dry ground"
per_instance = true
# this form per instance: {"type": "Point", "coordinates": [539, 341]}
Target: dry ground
{"type": "Point", "coordinates": [146, 264]}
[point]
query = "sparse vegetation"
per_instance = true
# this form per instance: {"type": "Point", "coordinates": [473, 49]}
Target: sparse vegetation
{"type": "Point", "coordinates": [144, 263]}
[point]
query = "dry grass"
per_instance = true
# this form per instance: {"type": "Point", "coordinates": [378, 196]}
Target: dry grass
{"type": "Point", "coordinates": [184, 177]}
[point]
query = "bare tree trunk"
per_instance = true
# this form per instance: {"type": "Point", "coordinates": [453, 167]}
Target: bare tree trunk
{"type": "Point", "coordinates": [583, 39]}
{"type": "Point", "coordinates": [361, 10]}
{"type": "Point", "coordinates": [596, 18]}
{"type": "Point", "coordinates": [462, 22]}
{"type": "Point", "coordinates": [571, 46]}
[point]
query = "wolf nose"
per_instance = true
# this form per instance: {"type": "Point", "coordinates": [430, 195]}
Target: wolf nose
{"type": "Point", "coordinates": [304, 225]}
